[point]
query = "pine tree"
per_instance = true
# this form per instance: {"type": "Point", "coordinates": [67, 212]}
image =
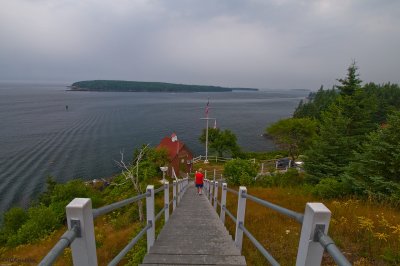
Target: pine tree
{"type": "Point", "coordinates": [376, 168]}
{"type": "Point", "coordinates": [351, 83]}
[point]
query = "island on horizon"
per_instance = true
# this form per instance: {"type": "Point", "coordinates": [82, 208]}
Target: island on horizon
{"type": "Point", "coordinates": [141, 86]}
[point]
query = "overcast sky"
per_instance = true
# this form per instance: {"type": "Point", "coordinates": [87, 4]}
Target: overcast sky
{"type": "Point", "coordinates": [251, 43]}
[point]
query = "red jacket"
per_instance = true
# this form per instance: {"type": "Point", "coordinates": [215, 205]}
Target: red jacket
{"type": "Point", "coordinates": [199, 178]}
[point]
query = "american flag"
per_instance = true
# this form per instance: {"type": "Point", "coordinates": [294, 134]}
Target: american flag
{"type": "Point", "coordinates": [207, 107]}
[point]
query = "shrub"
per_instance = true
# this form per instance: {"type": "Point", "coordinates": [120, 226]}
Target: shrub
{"type": "Point", "coordinates": [13, 220]}
{"type": "Point", "coordinates": [41, 221]}
{"type": "Point", "coordinates": [245, 179]}
{"type": "Point", "coordinates": [62, 194]}
{"type": "Point", "coordinates": [330, 188]}
{"type": "Point", "coordinates": [234, 170]}
{"type": "Point", "coordinates": [291, 178]}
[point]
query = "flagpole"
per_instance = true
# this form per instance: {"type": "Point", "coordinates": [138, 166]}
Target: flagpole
{"type": "Point", "coordinates": [207, 118]}
{"type": "Point", "coordinates": [206, 160]}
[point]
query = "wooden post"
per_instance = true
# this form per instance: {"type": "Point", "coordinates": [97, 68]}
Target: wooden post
{"type": "Point", "coordinates": [241, 210]}
{"type": "Point", "coordinates": [215, 195]}
{"type": "Point", "coordinates": [178, 190]}
{"type": "Point", "coordinates": [166, 200]}
{"type": "Point", "coordinates": [223, 202]}
{"type": "Point", "coordinates": [211, 191]}
{"type": "Point", "coordinates": [206, 187]}
{"type": "Point", "coordinates": [316, 215]}
{"type": "Point", "coordinates": [174, 196]}
{"type": "Point", "coordinates": [79, 212]}
{"type": "Point", "coordinates": [151, 232]}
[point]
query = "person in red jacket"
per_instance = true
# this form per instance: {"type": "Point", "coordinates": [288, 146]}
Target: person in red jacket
{"type": "Point", "coordinates": [199, 178]}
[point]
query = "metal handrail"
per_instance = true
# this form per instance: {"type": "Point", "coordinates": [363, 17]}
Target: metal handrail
{"type": "Point", "coordinates": [329, 245]}
{"type": "Point", "coordinates": [160, 213]}
{"type": "Point", "coordinates": [258, 245]}
{"type": "Point", "coordinates": [292, 214]}
{"type": "Point", "coordinates": [65, 240]}
{"type": "Point", "coordinates": [159, 189]}
{"type": "Point", "coordinates": [218, 203]}
{"type": "Point", "coordinates": [109, 208]}
{"type": "Point", "coordinates": [130, 245]}
{"type": "Point", "coordinates": [229, 213]}
{"type": "Point", "coordinates": [232, 190]}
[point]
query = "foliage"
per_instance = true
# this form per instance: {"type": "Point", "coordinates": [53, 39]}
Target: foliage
{"type": "Point", "coordinates": [331, 150]}
{"type": "Point", "coordinates": [120, 85]}
{"type": "Point", "coordinates": [317, 102]}
{"type": "Point", "coordinates": [351, 83]}
{"type": "Point", "coordinates": [264, 155]}
{"type": "Point", "coordinates": [330, 188]}
{"type": "Point", "coordinates": [387, 97]}
{"type": "Point", "coordinates": [221, 141]}
{"type": "Point", "coordinates": [40, 222]}
{"type": "Point", "coordinates": [342, 128]}
{"type": "Point", "coordinates": [14, 218]}
{"type": "Point", "coordinates": [62, 194]}
{"type": "Point", "coordinates": [290, 178]}
{"type": "Point", "coordinates": [375, 169]}
{"type": "Point", "coordinates": [293, 134]}
{"type": "Point", "coordinates": [236, 168]}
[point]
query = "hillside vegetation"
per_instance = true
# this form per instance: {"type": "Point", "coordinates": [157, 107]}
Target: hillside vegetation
{"type": "Point", "coordinates": [348, 138]}
{"type": "Point", "coordinates": [140, 86]}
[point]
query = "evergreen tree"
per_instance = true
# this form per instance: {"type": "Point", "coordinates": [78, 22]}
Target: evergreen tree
{"type": "Point", "coordinates": [376, 168]}
{"type": "Point", "coordinates": [317, 102]}
{"type": "Point", "coordinates": [344, 126]}
{"type": "Point", "coordinates": [331, 150]}
{"type": "Point", "coordinates": [351, 83]}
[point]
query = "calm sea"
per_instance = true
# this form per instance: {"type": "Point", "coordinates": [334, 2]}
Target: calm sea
{"type": "Point", "coordinates": [39, 137]}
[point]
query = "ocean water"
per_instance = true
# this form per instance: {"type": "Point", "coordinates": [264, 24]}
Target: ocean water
{"type": "Point", "coordinates": [39, 137]}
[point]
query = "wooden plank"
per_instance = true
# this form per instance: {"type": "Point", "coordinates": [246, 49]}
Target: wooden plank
{"type": "Point", "coordinates": [194, 235]}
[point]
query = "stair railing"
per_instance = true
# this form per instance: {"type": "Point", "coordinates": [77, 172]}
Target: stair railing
{"type": "Point", "coordinates": [80, 215]}
{"type": "Point", "coordinates": [315, 222]}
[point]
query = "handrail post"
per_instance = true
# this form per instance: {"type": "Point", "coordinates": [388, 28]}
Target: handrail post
{"type": "Point", "coordinates": [166, 200]}
{"type": "Point", "coordinates": [151, 232]}
{"type": "Point", "coordinates": [223, 202]}
{"type": "Point", "coordinates": [241, 210]}
{"type": "Point", "coordinates": [180, 190]}
{"type": "Point", "coordinates": [79, 210]}
{"type": "Point", "coordinates": [174, 198]}
{"type": "Point", "coordinates": [316, 217]}
{"type": "Point", "coordinates": [211, 191]}
{"type": "Point", "coordinates": [262, 168]}
{"type": "Point", "coordinates": [215, 195]}
{"type": "Point", "coordinates": [206, 187]}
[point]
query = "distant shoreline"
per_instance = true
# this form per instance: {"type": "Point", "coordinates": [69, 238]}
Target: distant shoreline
{"type": "Point", "coordinates": [139, 86]}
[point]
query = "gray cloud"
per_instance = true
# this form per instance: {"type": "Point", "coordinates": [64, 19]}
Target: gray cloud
{"type": "Point", "coordinates": [253, 43]}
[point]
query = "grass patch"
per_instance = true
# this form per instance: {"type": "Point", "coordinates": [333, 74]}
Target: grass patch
{"type": "Point", "coordinates": [366, 232]}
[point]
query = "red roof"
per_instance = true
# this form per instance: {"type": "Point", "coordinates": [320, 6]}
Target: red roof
{"type": "Point", "coordinates": [173, 148]}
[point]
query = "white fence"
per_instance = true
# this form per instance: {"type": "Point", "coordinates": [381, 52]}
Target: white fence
{"type": "Point", "coordinates": [80, 215]}
{"type": "Point", "coordinates": [315, 222]}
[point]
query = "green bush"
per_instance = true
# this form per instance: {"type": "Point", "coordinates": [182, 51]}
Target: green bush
{"type": "Point", "coordinates": [234, 170]}
{"type": "Point", "coordinates": [263, 155]}
{"type": "Point", "coordinates": [62, 194]}
{"type": "Point", "coordinates": [41, 221]}
{"type": "Point", "coordinates": [291, 178]}
{"type": "Point", "coordinates": [13, 220]}
{"type": "Point", "coordinates": [245, 179]}
{"type": "Point", "coordinates": [330, 188]}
